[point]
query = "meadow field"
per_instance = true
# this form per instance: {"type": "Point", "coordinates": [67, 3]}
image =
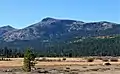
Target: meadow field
{"type": "Point", "coordinates": [60, 66]}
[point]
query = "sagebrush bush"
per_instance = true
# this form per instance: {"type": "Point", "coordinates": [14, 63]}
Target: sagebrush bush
{"type": "Point", "coordinates": [105, 59]}
{"type": "Point", "coordinates": [3, 59]}
{"type": "Point", "coordinates": [59, 60]}
{"type": "Point", "coordinates": [114, 60]}
{"type": "Point", "coordinates": [107, 64]}
{"type": "Point", "coordinates": [44, 59]}
{"type": "Point", "coordinates": [64, 59]}
{"type": "Point", "coordinates": [90, 59]}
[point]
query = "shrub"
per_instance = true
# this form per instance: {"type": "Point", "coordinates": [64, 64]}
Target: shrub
{"type": "Point", "coordinates": [114, 60]}
{"type": "Point", "coordinates": [3, 59]}
{"type": "Point", "coordinates": [7, 60]}
{"type": "Point", "coordinates": [107, 64]}
{"type": "Point", "coordinates": [43, 59]}
{"type": "Point", "coordinates": [67, 67]}
{"type": "Point", "coordinates": [90, 59]}
{"type": "Point", "coordinates": [84, 67]}
{"type": "Point", "coordinates": [37, 59]}
{"type": "Point", "coordinates": [98, 58]}
{"type": "Point", "coordinates": [64, 59]}
{"type": "Point", "coordinates": [105, 59]}
{"type": "Point", "coordinates": [59, 59]}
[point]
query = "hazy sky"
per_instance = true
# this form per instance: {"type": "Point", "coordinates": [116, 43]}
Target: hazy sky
{"type": "Point", "coordinates": [21, 13]}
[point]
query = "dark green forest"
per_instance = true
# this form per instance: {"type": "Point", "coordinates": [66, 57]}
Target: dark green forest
{"type": "Point", "coordinates": [76, 47]}
{"type": "Point", "coordinates": [86, 47]}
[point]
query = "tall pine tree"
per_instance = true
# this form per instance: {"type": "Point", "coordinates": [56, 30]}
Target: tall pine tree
{"type": "Point", "coordinates": [29, 58]}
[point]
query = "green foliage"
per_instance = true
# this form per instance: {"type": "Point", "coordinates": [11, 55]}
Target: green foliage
{"type": "Point", "coordinates": [10, 53]}
{"type": "Point", "coordinates": [76, 47]}
{"type": "Point", "coordinates": [29, 58]}
{"type": "Point", "coordinates": [87, 47]}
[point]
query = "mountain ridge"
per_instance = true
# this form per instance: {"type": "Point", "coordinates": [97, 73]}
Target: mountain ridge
{"type": "Point", "coordinates": [51, 28]}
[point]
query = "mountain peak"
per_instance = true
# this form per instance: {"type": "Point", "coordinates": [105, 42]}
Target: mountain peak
{"type": "Point", "coordinates": [7, 27]}
{"type": "Point", "coordinates": [48, 19]}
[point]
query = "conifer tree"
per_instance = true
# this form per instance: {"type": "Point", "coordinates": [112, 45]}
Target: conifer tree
{"type": "Point", "coordinates": [29, 58]}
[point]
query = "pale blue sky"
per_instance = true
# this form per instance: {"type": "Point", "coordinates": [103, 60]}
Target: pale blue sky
{"type": "Point", "coordinates": [21, 13]}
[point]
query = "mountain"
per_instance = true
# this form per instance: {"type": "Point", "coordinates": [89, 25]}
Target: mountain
{"type": "Point", "coordinates": [5, 29]}
{"type": "Point", "coordinates": [64, 37]}
{"type": "Point", "coordinates": [60, 29]}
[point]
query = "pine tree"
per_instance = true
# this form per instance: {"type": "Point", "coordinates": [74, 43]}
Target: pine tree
{"type": "Point", "coordinates": [29, 58]}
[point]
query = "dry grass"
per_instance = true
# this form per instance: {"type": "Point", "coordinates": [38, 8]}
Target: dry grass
{"type": "Point", "coordinates": [16, 62]}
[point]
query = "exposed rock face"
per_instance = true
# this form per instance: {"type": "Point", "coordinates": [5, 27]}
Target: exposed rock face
{"type": "Point", "coordinates": [50, 28]}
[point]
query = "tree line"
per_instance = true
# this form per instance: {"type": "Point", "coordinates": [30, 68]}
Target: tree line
{"type": "Point", "coordinates": [11, 53]}
{"type": "Point", "coordinates": [73, 48]}
{"type": "Point", "coordinates": [85, 47]}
